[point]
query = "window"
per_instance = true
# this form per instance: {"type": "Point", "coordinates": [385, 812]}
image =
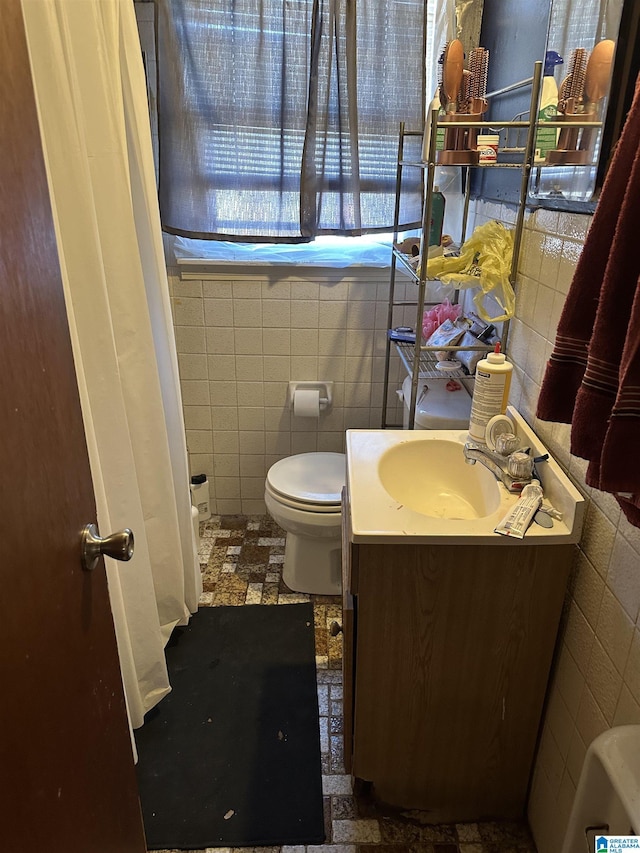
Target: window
{"type": "Point", "coordinates": [278, 119]}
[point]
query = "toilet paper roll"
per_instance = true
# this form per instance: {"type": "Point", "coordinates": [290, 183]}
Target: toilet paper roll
{"type": "Point", "coordinates": [306, 403]}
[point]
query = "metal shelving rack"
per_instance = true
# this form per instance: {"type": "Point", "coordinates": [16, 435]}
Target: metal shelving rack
{"type": "Point", "coordinates": [419, 359]}
{"type": "Point", "coordinates": [427, 366]}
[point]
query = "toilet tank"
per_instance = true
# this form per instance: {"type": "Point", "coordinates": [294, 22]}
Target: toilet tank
{"type": "Point", "coordinates": [437, 407]}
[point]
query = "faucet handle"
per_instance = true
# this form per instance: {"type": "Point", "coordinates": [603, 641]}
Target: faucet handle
{"type": "Point", "coordinates": [520, 465]}
{"type": "Point", "coordinates": [506, 443]}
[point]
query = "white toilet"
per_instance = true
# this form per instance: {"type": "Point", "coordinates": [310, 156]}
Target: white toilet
{"type": "Point", "coordinates": [437, 407]}
{"type": "Point", "coordinates": [303, 495]}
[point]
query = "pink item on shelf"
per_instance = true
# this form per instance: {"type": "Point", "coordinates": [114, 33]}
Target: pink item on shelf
{"type": "Point", "coordinates": [436, 316]}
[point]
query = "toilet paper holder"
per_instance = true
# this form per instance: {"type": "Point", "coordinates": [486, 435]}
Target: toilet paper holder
{"type": "Point", "coordinates": [325, 389]}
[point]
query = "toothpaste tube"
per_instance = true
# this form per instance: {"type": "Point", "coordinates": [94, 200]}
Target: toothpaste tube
{"type": "Point", "coordinates": [520, 516]}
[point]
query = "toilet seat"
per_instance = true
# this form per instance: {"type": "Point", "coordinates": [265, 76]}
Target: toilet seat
{"type": "Point", "coordinates": [305, 506]}
{"type": "Point", "coordinates": [308, 481]}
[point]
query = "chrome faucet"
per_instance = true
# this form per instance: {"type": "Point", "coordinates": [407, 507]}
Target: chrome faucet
{"type": "Point", "coordinates": [510, 469]}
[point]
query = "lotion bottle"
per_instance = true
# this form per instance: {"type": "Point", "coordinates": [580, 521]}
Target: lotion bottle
{"type": "Point", "coordinates": [490, 392]}
{"type": "Point", "coordinates": [547, 137]}
{"type": "Point", "coordinates": [434, 106]}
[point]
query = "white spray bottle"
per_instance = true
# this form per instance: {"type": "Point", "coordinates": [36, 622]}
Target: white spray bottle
{"type": "Point", "coordinates": [434, 105]}
{"type": "Point", "coordinates": [547, 137]}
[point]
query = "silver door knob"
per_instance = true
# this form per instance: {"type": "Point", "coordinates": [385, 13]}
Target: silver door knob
{"type": "Point", "coordinates": [119, 546]}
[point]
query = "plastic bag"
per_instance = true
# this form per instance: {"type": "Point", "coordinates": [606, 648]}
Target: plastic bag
{"type": "Point", "coordinates": [435, 316]}
{"type": "Point", "coordinates": [470, 358]}
{"type": "Point", "coordinates": [448, 334]}
{"type": "Point", "coordinates": [484, 262]}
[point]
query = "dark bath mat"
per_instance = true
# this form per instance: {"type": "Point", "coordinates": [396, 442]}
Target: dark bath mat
{"type": "Point", "coordinates": [231, 757]}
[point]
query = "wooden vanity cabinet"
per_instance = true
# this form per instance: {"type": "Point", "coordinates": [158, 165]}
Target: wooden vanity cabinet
{"type": "Point", "coordinates": [447, 651]}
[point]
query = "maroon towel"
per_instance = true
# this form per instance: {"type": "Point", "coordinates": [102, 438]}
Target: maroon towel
{"type": "Point", "coordinates": [620, 472]}
{"type": "Point", "coordinates": [593, 377]}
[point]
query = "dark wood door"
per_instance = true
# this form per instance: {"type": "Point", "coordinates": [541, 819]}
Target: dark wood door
{"type": "Point", "coordinates": [66, 767]}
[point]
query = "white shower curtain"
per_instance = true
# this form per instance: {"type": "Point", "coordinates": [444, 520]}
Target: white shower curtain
{"type": "Point", "coordinates": [90, 89]}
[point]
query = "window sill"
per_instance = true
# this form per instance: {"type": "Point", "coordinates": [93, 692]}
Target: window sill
{"type": "Point", "coordinates": [563, 205]}
{"type": "Point", "coordinates": [328, 253]}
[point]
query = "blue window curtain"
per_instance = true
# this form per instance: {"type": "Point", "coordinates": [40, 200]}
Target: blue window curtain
{"type": "Point", "coordinates": [278, 119]}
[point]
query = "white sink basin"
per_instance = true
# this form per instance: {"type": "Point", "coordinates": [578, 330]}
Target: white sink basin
{"type": "Point", "coordinates": [415, 485]}
{"type": "Point", "coordinates": [455, 489]}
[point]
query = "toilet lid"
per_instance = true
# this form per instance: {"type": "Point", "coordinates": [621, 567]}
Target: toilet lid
{"type": "Point", "coordinates": [310, 477]}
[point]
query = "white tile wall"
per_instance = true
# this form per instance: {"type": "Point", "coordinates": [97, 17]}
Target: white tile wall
{"type": "Point", "coordinates": [240, 340]}
{"type": "Point", "coordinates": [596, 679]}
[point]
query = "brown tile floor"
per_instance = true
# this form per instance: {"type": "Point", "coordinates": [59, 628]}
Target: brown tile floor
{"type": "Point", "coordinates": [241, 560]}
